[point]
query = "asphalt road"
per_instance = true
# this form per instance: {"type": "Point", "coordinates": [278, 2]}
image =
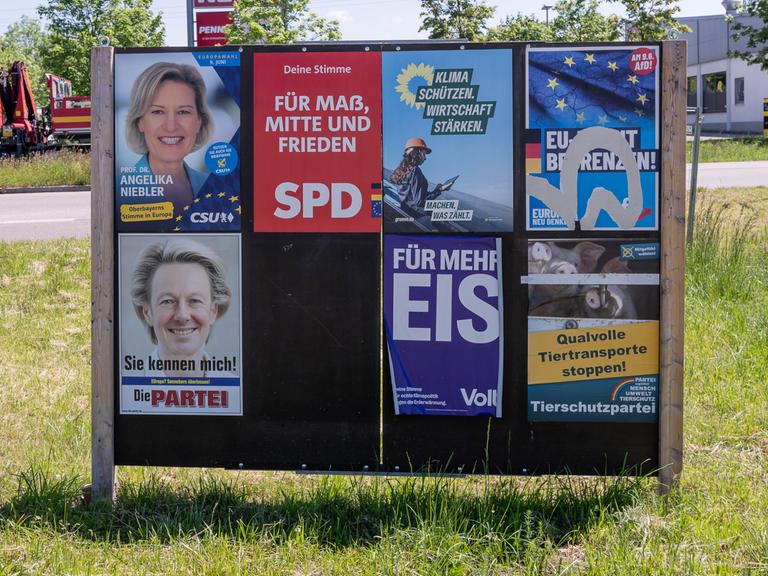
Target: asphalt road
{"type": "Point", "coordinates": [729, 175]}
{"type": "Point", "coordinates": [44, 215]}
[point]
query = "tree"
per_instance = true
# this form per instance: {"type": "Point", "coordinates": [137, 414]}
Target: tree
{"type": "Point", "coordinates": [455, 18]}
{"type": "Point", "coordinates": [756, 36]}
{"type": "Point", "coordinates": [278, 22]}
{"type": "Point", "coordinates": [580, 21]}
{"type": "Point", "coordinates": [75, 26]}
{"type": "Point", "coordinates": [648, 20]}
{"type": "Point", "coordinates": [521, 27]}
{"type": "Point", "coordinates": [24, 40]}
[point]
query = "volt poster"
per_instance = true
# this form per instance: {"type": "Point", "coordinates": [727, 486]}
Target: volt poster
{"type": "Point", "coordinates": [443, 317]}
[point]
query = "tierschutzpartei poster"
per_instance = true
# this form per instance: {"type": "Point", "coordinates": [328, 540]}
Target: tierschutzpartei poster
{"type": "Point", "coordinates": [317, 142]}
{"type": "Point", "coordinates": [447, 164]}
{"type": "Point", "coordinates": [177, 141]}
{"type": "Point", "coordinates": [593, 330]}
{"type": "Point", "coordinates": [592, 139]}
{"type": "Point", "coordinates": [180, 324]}
{"type": "Point", "coordinates": [443, 316]}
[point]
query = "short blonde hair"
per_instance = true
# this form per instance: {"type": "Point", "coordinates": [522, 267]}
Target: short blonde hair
{"type": "Point", "coordinates": [144, 90]}
{"type": "Point", "coordinates": [178, 251]}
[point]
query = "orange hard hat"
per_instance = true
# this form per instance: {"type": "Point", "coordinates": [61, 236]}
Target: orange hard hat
{"type": "Point", "coordinates": [417, 143]}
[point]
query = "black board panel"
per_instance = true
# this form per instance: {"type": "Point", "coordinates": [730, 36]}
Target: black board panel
{"type": "Point", "coordinates": [311, 366]}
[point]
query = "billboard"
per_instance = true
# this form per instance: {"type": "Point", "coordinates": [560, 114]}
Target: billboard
{"type": "Point", "coordinates": [443, 316]}
{"type": "Point", "coordinates": [317, 142]}
{"type": "Point", "coordinates": [389, 193]}
{"type": "Point", "coordinates": [447, 134]}
{"type": "Point", "coordinates": [180, 333]}
{"type": "Point", "coordinates": [177, 141]}
{"type": "Point", "coordinates": [592, 138]}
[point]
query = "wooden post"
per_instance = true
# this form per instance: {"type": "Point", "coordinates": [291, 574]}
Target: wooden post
{"type": "Point", "coordinates": [672, 223]}
{"type": "Point", "coordinates": [102, 274]}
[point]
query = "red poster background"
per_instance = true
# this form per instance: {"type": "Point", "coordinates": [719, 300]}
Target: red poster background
{"type": "Point", "coordinates": [278, 74]}
{"type": "Point", "coordinates": [208, 19]}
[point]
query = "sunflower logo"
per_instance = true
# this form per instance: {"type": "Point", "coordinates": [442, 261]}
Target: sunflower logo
{"type": "Point", "coordinates": [407, 74]}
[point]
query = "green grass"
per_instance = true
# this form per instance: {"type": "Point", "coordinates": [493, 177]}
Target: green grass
{"type": "Point", "coordinates": [729, 149]}
{"type": "Point", "coordinates": [62, 168]}
{"type": "Point", "coordinates": [188, 521]}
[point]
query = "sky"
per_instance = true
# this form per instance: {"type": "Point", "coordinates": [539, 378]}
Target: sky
{"type": "Point", "coordinates": [358, 19]}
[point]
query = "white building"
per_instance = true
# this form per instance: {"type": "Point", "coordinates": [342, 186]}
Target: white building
{"type": "Point", "coordinates": [729, 92]}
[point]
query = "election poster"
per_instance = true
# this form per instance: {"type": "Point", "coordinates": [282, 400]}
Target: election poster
{"type": "Point", "coordinates": [447, 164]}
{"type": "Point", "coordinates": [593, 331]}
{"type": "Point", "coordinates": [180, 324]}
{"type": "Point", "coordinates": [317, 142]}
{"type": "Point", "coordinates": [443, 315]}
{"type": "Point", "coordinates": [177, 141]}
{"type": "Point", "coordinates": [592, 138]}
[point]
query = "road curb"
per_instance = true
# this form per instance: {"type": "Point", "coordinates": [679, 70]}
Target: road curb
{"type": "Point", "coordinates": [38, 189]}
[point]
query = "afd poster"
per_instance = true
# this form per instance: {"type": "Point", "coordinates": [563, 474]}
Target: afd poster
{"type": "Point", "coordinates": [592, 138]}
{"type": "Point", "coordinates": [447, 163]}
{"type": "Point", "coordinates": [177, 141]}
{"type": "Point", "coordinates": [443, 315]}
{"type": "Point", "coordinates": [317, 142]}
{"type": "Point", "coordinates": [180, 328]}
{"type": "Point", "coordinates": [593, 331]}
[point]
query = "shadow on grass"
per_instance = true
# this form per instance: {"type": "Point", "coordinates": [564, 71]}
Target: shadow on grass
{"type": "Point", "coordinates": [335, 511]}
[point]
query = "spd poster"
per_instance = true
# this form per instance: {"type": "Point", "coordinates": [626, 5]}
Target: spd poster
{"type": "Point", "coordinates": [443, 318]}
{"type": "Point", "coordinates": [593, 331]}
{"type": "Point", "coordinates": [317, 142]}
{"type": "Point", "coordinates": [592, 138]}
{"type": "Point", "coordinates": [447, 141]}
{"type": "Point", "coordinates": [177, 141]}
{"type": "Point", "coordinates": [180, 333]}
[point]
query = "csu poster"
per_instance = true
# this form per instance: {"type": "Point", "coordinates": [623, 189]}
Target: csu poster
{"type": "Point", "coordinates": [447, 163]}
{"type": "Point", "coordinates": [443, 315]}
{"type": "Point", "coordinates": [177, 141]}
{"type": "Point", "coordinates": [592, 138]}
{"type": "Point", "coordinates": [317, 142]}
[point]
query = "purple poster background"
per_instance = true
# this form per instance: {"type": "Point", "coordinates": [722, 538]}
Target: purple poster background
{"type": "Point", "coordinates": [444, 324]}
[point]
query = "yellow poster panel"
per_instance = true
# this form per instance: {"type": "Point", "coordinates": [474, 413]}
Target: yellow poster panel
{"type": "Point", "coordinates": [593, 353]}
{"type": "Point", "coordinates": [146, 212]}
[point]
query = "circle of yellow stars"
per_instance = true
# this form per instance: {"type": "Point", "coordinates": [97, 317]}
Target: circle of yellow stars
{"type": "Point", "coordinates": [561, 104]}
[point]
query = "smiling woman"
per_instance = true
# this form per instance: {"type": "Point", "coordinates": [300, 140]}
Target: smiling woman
{"type": "Point", "coordinates": [167, 120]}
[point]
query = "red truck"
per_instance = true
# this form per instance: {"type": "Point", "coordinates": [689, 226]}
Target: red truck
{"type": "Point", "coordinates": [67, 119]}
